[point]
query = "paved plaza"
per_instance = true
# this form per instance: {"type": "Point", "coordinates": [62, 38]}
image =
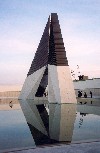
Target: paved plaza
{"type": "Point", "coordinates": [93, 147]}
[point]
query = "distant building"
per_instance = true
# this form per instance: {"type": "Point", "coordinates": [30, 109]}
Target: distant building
{"type": "Point", "coordinates": [87, 85]}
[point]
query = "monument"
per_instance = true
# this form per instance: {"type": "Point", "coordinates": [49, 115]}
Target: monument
{"type": "Point", "coordinates": [49, 68]}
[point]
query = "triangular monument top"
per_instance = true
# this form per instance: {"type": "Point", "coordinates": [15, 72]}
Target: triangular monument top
{"type": "Point", "coordinates": [50, 68]}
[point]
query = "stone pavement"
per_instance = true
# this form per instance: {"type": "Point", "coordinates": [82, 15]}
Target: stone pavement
{"type": "Point", "coordinates": [93, 147]}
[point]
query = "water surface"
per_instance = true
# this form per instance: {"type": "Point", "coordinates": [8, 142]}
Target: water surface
{"type": "Point", "coordinates": [28, 124]}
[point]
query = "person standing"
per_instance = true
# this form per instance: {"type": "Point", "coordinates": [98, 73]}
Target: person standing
{"type": "Point", "coordinates": [85, 95]}
{"type": "Point", "coordinates": [91, 93]}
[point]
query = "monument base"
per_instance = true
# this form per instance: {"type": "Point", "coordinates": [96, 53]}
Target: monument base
{"type": "Point", "coordinates": [60, 85]}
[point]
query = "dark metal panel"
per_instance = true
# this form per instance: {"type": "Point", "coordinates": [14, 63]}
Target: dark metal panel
{"type": "Point", "coordinates": [51, 48]}
{"type": "Point", "coordinates": [57, 55]}
{"type": "Point", "coordinates": [41, 55]}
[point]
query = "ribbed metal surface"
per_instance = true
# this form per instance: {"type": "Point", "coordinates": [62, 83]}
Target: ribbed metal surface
{"type": "Point", "coordinates": [57, 54]}
{"type": "Point", "coordinates": [41, 55]}
{"type": "Point", "coordinates": [51, 48]}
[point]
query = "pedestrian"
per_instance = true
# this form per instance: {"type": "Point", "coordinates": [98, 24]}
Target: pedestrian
{"type": "Point", "coordinates": [91, 93]}
{"type": "Point", "coordinates": [79, 93]}
{"type": "Point", "coordinates": [85, 95]}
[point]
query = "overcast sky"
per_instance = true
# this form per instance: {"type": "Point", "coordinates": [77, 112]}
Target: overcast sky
{"type": "Point", "coordinates": [22, 23]}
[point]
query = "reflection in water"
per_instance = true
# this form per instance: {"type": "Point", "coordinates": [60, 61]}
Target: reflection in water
{"type": "Point", "coordinates": [87, 124]}
{"type": "Point", "coordinates": [58, 126]}
{"type": "Point", "coordinates": [47, 123]}
{"type": "Point", "coordinates": [14, 131]}
{"type": "Point", "coordinates": [81, 119]}
{"type": "Point", "coordinates": [80, 122]}
{"type": "Point", "coordinates": [65, 123]}
{"type": "Point", "coordinates": [32, 115]}
{"type": "Point", "coordinates": [61, 121]}
{"type": "Point", "coordinates": [11, 104]}
{"type": "Point", "coordinates": [38, 121]}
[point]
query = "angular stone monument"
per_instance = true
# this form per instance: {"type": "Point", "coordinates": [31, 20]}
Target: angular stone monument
{"type": "Point", "coordinates": [49, 68]}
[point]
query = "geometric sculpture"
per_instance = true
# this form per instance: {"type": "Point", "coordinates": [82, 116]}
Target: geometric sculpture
{"type": "Point", "coordinates": [50, 68]}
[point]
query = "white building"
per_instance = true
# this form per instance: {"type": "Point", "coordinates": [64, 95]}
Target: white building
{"type": "Point", "coordinates": [88, 85]}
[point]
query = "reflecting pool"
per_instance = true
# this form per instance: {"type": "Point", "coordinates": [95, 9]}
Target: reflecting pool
{"type": "Point", "coordinates": [28, 124]}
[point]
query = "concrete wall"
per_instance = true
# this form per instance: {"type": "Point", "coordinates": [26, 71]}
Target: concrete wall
{"type": "Point", "coordinates": [60, 85]}
{"type": "Point", "coordinates": [9, 94]}
{"type": "Point", "coordinates": [90, 83]}
{"type": "Point", "coordinates": [31, 84]}
{"type": "Point", "coordinates": [87, 86]}
{"type": "Point", "coordinates": [61, 121]}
